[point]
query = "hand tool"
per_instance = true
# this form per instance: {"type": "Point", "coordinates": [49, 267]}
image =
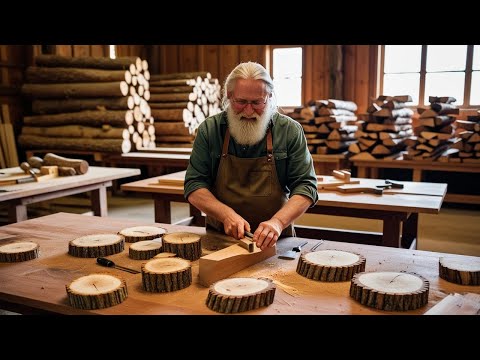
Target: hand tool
{"type": "Point", "coordinates": [109, 263]}
{"type": "Point", "coordinates": [314, 247]}
{"type": "Point", "coordinates": [292, 254]}
{"type": "Point", "coordinates": [248, 245]}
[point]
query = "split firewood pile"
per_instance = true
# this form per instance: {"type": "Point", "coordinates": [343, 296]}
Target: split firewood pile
{"type": "Point", "coordinates": [88, 103]}
{"type": "Point", "coordinates": [467, 148]}
{"type": "Point", "coordinates": [329, 125]}
{"type": "Point", "coordinates": [385, 130]}
{"type": "Point", "coordinates": [435, 131]}
{"type": "Point", "coordinates": [180, 102]}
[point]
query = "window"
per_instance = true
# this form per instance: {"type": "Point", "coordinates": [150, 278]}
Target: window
{"type": "Point", "coordinates": [432, 70]}
{"type": "Point", "coordinates": [112, 51]}
{"type": "Point", "coordinates": [287, 75]}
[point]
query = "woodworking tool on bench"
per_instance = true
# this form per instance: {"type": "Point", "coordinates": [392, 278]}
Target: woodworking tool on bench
{"type": "Point", "coordinates": [389, 184]}
{"type": "Point", "coordinates": [109, 263]}
{"type": "Point", "coordinates": [292, 254]}
{"type": "Point", "coordinates": [247, 244]}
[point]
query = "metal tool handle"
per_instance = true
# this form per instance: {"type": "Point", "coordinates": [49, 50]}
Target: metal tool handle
{"type": "Point", "coordinates": [249, 234]}
{"type": "Point", "coordinates": [299, 247]}
{"type": "Point", "coordinates": [105, 262]}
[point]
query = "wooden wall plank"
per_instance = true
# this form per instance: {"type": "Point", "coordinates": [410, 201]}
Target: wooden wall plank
{"type": "Point", "coordinates": [81, 50]}
{"type": "Point", "coordinates": [249, 53]}
{"type": "Point", "coordinates": [189, 58]}
{"type": "Point", "coordinates": [307, 78]}
{"type": "Point", "coordinates": [349, 72]}
{"type": "Point", "coordinates": [212, 60]}
{"type": "Point", "coordinates": [171, 56]}
{"type": "Point", "coordinates": [361, 77]}
{"type": "Point", "coordinates": [64, 50]}
{"type": "Point", "coordinates": [319, 73]}
{"type": "Point", "coordinates": [99, 50]}
{"type": "Point", "coordinates": [228, 60]}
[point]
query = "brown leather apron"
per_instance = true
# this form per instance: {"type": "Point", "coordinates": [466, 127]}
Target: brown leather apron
{"type": "Point", "coordinates": [250, 186]}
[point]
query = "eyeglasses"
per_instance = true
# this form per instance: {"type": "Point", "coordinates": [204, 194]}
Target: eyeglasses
{"type": "Point", "coordinates": [256, 104]}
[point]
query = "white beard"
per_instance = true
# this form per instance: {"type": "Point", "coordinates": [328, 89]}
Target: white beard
{"type": "Point", "coordinates": [248, 132]}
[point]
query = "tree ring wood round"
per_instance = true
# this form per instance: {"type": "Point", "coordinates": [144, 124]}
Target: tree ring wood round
{"type": "Point", "coordinates": [186, 245]}
{"type": "Point", "coordinates": [96, 291]}
{"type": "Point", "coordinates": [460, 271]}
{"type": "Point", "coordinates": [390, 291]}
{"type": "Point", "coordinates": [330, 265]}
{"type": "Point", "coordinates": [96, 245]}
{"type": "Point", "coordinates": [19, 251]}
{"type": "Point", "coordinates": [166, 274]}
{"type": "Point", "coordinates": [141, 233]}
{"type": "Point", "coordinates": [144, 250]}
{"type": "Point", "coordinates": [235, 295]}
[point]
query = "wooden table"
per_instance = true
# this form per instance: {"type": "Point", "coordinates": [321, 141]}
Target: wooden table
{"type": "Point", "coordinates": [39, 285]}
{"type": "Point", "coordinates": [369, 168]}
{"type": "Point", "coordinates": [394, 208]}
{"type": "Point", "coordinates": [96, 180]}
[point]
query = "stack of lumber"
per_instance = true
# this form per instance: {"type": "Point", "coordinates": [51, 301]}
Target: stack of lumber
{"type": "Point", "coordinates": [329, 125]}
{"type": "Point", "coordinates": [88, 104]}
{"type": "Point", "coordinates": [385, 130]}
{"type": "Point", "coordinates": [8, 148]}
{"type": "Point", "coordinates": [180, 102]}
{"type": "Point", "coordinates": [467, 148]}
{"type": "Point", "coordinates": [435, 131]}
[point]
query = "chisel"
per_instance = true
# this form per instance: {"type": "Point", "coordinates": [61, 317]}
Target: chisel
{"type": "Point", "coordinates": [109, 263]}
{"type": "Point", "coordinates": [292, 254]}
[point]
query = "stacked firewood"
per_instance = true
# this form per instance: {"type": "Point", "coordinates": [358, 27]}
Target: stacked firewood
{"type": "Point", "coordinates": [467, 149]}
{"type": "Point", "coordinates": [88, 104]}
{"type": "Point", "coordinates": [329, 125]}
{"type": "Point", "coordinates": [180, 102]}
{"type": "Point", "coordinates": [435, 130]}
{"type": "Point", "coordinates": [385, 130]}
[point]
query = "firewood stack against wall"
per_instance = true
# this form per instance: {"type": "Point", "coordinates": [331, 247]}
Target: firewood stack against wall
{"type": "Point", "coordinates": [435, 130]}
{"type": "Point", "coordinates": [88, 104]}
{"type": "Point", "coordinates": [465, 147]}
{"type": "Point", "coordinates": [385, 130]}
{"type": "Point", "coordinates": [329, 125]}
{"type": "Point", "coordinates": [180, 102]}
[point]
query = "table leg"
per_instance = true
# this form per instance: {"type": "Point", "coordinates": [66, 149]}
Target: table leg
{"type": "Point", "coordinates": [17, 212]}
{"type": "Point", "coordinates": [99, 201]}
{"type": "Point", "coordinates": [410, 231]}
{"type": "Point", "coordinates": [391, 232]}
{"type": "Point", "coordinates": [417, 175]}
{"type": "Point", "coordinates": [162, 211]}
{"type": "Point", "coordinates": [362, 171]}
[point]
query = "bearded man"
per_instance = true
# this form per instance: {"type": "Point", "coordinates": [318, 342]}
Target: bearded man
{"type": "Point", "coordinates": [250, 168]}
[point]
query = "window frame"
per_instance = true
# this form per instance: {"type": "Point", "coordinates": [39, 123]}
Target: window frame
{"type": "Point", "coordinates": [423, 73]}
{"type": "Point", "coordinates": [269, 62]}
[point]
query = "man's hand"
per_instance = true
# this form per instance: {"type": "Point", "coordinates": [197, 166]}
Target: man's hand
{"type": "Point", "coordinates": [235, 225]}
{"type": "Point", "coordinates": [267, 233]}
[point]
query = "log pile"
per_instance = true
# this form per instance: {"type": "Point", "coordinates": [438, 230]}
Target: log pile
{"type": "Point", "coordinates": [329, 125]}
{"type": "Point", "coordinates": [385, 130]}
{"type": "Point", "coordinates": [435, 131]}
{"type": "Point", "coordinates": [180, 102]}
{"type": "Point", "coordinates": [467, 148]}
{"type": "Point", "coordinates": [88, 104]}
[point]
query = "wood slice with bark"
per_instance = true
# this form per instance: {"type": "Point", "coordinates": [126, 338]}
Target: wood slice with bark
{"type": "Point", "coordinates": [19, 251]}
{"type": "Point", "coordinates": [240, 294]}
{"type": "Point", "coordinates": [186, 245]}
{"type": "Point", "coordinates": [460, 272]}
{"type": "Point", "coordinates": [96, 245]}
{"type": "Point", "coordinates": [145, 250]}
{"type": "Point", "coordinates": [166, 274]}
{"type": "Point", "coordinates": [390, 290]}
{"type": "Point", "coordinates": [96, 291]}
{"type": "Point", "coordinates": [330, 265]}
{"type": "Point", "coordinates": [141, 233]}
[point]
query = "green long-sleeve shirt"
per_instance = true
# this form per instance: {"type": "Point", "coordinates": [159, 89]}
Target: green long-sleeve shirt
{"type": "Point", "coordinates": [293, 161]}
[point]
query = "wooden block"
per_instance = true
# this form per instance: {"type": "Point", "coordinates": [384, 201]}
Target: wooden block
{"type": "Point", "coordinates": [457, 304]}
{"type": "Point", "coordinates": [225, 262]}
{"type": "Point", "coordinates": [247, 244]}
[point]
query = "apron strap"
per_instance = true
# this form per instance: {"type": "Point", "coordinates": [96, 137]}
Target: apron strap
{"type": "Point", "coordinates": [226, 141]}
{"type": "Point", "coordinates": [269, 145]}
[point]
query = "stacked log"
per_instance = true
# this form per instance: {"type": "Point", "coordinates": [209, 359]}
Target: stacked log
{"type": "Point", "coordinates": [180, 102]}
{"type": "Point", "coordinates": [88, 104]}
{"type": "Point", "coordinates": [435, 131]}
{"type": "Point", "coordinates": [466, 144]}
{"type": "Point", "coordinates": [329, 125]}
{"type": "Point", "coordinates": [385, 130]}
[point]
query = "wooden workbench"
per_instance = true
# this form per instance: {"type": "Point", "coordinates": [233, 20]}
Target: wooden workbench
{"type": "Point", "coordinates": [39, 284]}
{"type": "Point", "coordinates": [96, 180]}
{"type": "Point", "coordinates": [369, 168]}
{"type": "Point", "coordinates": [395, 208]}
